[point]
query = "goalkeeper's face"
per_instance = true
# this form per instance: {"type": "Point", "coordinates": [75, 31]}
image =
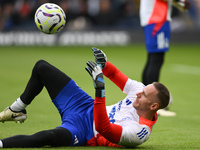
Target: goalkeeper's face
{"type": "Point", "coordinates": [146, 100]}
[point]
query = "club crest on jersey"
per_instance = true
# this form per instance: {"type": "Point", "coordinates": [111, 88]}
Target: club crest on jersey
{"type": "Point", "coordinates": [128, 102]}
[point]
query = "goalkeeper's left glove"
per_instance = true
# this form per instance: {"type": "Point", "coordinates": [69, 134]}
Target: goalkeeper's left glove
{"type": "Point", "coordinates": [182, 5]}
{"type": "Point", "coordinates": [96, 73]}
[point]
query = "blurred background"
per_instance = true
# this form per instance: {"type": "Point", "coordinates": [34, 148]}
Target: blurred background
{"type": "Point", "coordinates": [114, 27]}
{"type": "Point", "coordinates": [116, 22]}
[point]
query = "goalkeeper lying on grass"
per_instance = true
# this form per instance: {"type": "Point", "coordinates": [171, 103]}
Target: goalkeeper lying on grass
{"type": "Point", "coordinates": [87, 121]}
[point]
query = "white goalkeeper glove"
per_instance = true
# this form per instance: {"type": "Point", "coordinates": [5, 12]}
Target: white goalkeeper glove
{"type": "Point", "coordinates": [96, 73]}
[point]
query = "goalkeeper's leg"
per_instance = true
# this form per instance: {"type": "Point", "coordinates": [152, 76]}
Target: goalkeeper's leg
{"type": "Point", "coordinates": [55, 138]}
{"type": "Point", "coordinates": [43, 75]}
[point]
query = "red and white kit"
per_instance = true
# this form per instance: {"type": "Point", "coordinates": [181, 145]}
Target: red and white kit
{"type": "Point", "coordinates": [154, 11]}
{"type": "Point", "coordinates": [119, 123]}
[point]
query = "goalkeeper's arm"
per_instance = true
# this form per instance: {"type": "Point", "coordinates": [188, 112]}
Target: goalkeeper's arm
{"type": "Point", "coordinates": [111, 132]}
{"type": "Point", "coordinates": [109, 70]}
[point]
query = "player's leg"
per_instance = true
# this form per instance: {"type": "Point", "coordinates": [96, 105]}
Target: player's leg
{"type": "Point", "coordinates": [43, 75]}
{"type": "Point", "coordinates": [55, 138]}
{"type": "Point", "coordinates": [157, 37]}
{"type": "Point", "coordinates": [152, 69]}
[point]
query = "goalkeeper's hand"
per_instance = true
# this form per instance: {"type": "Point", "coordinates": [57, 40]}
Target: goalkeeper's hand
{"type": "Point", "coordinates": [100, 57]}
{"type": "Point", "coordinates": [182, 5]}
{"type": "Point", "coordinates": [96, 73]}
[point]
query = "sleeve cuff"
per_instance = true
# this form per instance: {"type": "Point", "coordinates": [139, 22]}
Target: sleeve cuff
{"type": "Point", "coordinates": [100, 93]}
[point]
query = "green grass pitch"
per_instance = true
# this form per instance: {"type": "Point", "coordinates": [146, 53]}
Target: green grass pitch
{"type": "Point", "coordinates": [180, 73]}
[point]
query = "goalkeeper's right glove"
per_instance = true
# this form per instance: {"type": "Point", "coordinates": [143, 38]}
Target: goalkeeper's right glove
{"type": "Point", "coordinates": [96, 73]}
{"type": "Point", "coordinates": [182, 5]}
{"type": "Point", "coordinates": [100, 57]}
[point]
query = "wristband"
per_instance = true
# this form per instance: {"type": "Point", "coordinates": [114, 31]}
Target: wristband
{"type": "Point", "coordinates": [100, 93]}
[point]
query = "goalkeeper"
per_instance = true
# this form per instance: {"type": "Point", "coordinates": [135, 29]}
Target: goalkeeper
{"type": "Point", "coordinates": [87, 121]}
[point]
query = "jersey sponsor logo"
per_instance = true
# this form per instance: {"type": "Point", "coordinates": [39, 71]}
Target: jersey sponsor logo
{"type": "Point", "coordinates": [75, 140]}
{"type": "Point", "coordinates": [112, 114]}
{"type": "Point", "coordinates": [113, 110]}
{"type": "Point", "coordinates": [142, 133]}
{"type": "Point", "coordinates": [119, 106]}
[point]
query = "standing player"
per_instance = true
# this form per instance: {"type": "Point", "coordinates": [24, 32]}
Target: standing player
{"type": "Point", "coordinates": [127, 123]}
{"type": "Point", "coordinates": [155, 16]}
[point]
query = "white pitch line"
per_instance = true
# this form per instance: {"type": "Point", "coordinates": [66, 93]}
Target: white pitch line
{"type": "Point", "coordinates": [193, 70]}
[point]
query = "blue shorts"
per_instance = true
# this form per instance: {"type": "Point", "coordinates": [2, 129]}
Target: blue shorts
{"type": "Point", "coordinates": [76, 109]}
{"type": "Point", "coordinates": [157, 37]}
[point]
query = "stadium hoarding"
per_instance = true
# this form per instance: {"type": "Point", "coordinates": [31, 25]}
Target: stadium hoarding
{"type": "Point", "coordinates": [87, 38]}
{"type": "Point", "coordinates": [20, 38]}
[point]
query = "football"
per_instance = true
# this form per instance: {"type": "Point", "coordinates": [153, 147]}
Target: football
{"type": "Point", "coordinates": [50, 18]}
